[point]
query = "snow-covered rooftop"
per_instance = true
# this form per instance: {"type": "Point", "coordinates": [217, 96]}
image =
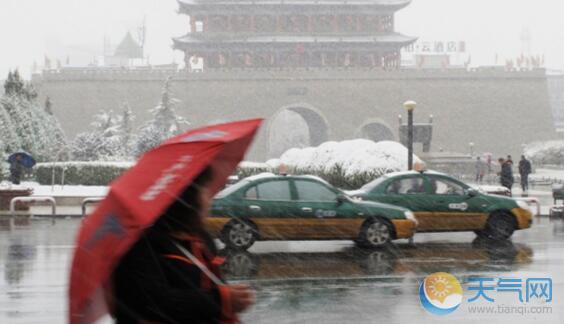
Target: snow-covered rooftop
{"type": "Point", "coordinates": [383, 3]}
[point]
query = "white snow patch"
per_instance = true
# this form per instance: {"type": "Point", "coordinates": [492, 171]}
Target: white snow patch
{"type": "Point", "coordinates": [354, 156]}
{"type": "Point", "coordinates": [79, 164]}
{"type": "Point", "coordinates": [59, 191]}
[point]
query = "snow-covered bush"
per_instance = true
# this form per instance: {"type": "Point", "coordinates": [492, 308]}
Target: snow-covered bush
{"type": "Point", "coordinates": [110, 140]}
{"type": "Point", "coordinates": [247, 169]}
{"type": "Point", "coordinates": [545, 153]}
{"type": "Point", "coordinates": [347, 164]}
{"type": "Point", "coordinates": [80, 173]}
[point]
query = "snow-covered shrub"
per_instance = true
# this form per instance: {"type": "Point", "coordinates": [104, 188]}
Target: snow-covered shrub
{"type": "Point", "coordinates": [347, 164]}
{"type": "Point", "coordinates": [544, 153]}
{"type": "Point", "coordinates": [247, 169]}
{"type": "Point", "coordinates": [110, 139]}
{"type": "Point", "coordinates": [80, 173]}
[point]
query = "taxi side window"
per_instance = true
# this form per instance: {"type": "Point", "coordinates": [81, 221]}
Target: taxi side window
{"type": "Point", "coordinates": [445, 187]}
{"type": "Point", "coordinates": [406, 186]}
{"type": "Point", "coordinates": [251, 193]}
{"type": "Point", "coordinates": [313, 191]}
{"type": "Point", "coordinates": [274, 190]}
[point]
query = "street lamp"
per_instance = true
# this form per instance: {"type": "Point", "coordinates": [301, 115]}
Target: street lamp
{"type": "Point", "coordinates": [410, 107]}
{"type": "Point", "coordinates": [471, 144]}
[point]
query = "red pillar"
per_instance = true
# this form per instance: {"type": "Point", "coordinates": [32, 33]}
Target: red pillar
{"type": "Point", "coordinates": [278, 24]}
{"type": "Point", "coordinates": [358, 24]}
{"type": "Point", "coordinates": [335, 24]}
{"type": "Point", "coordinates": [192, 24]}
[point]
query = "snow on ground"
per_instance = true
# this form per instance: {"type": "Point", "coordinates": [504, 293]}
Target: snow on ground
{"type": "Point", "coordinates": [119, 164]}
{"type": "Point", "coordinates": [354, 156]}
{"type": "Point", "coordinates": [541, 174]}
{"type": "Point", "coordinates": [60, 191]}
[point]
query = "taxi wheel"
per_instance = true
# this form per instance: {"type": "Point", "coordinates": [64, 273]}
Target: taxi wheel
{"type": "Point", "coordinates": [500, 226]}
{"type": "Point", "coordinates": [375, 233]}
{"type": "Point", "coordinates": [238, 235]}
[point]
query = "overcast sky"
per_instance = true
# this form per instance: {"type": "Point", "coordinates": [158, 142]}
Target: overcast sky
{"type": "Point", "coordinates": [30, 29]}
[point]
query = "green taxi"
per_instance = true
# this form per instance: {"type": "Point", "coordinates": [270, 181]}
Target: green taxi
{"type": "Point", "coordinates": [442, 203]}
{"type": "Point", "coordinates": [270, 207]}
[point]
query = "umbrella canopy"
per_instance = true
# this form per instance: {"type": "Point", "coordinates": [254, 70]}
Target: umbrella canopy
{"type": "Point", "coordinates": [27, 160]}
{"type": "Point", "coordinates": [139, 197]}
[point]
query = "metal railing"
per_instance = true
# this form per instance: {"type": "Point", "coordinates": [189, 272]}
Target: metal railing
{"type": "Point", "coordinates": [33, 200]}
{"type": "Point", "coordinates": [531, 201]}
{"type": "Point", "coordinates": [89, 201]}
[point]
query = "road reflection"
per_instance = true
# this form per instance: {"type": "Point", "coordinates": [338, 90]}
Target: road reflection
{"type": "Point", "coordinates": [478, 256]}
{"type": "Point", "coordinates": [19, 258]}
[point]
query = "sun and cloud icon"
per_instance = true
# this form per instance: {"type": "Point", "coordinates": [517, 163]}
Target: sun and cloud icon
{"type": "Point", "coordinates": [440, 293]}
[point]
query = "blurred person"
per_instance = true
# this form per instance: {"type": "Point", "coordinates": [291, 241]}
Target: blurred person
{"type": "Point", "coordinates": [506, 174]}
{"type": "Point", "coordinates": [480, 169]}
{"type": "Point", "coordinates": [524, 170]}
{"type": "Point", "coordinates": [158, 280]}
{"type": "Point", "coordinates": [16, 169]}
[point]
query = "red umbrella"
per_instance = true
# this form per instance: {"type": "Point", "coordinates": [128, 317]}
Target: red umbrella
{"type": "Point", "coordinates": [139, 197]}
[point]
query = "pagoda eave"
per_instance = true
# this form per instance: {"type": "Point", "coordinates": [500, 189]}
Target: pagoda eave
{"type": "Point", "coordinates": [306, 6]}
{"type": "Point", "coordinates": [395, 40]}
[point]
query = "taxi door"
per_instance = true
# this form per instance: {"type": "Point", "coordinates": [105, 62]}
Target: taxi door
{"type": "Point", "coordinates": [321, 214]}
{"type": "Point", "coordinates": [454, 209]}
{"type": "Point", "coordinates": [269, 204]}
{"type": "Point", "coordinates": [411, 192]}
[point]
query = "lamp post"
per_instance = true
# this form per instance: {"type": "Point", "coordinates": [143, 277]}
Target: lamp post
{"type": "Point", "coordinates": [471, 144]}
{"type": "Point", "coordinates": [410, 107]}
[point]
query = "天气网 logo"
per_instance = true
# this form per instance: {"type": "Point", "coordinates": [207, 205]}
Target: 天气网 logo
{"type": "Point", "coordinates": [440, 293]}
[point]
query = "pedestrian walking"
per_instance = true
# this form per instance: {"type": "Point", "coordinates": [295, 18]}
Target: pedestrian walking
{"type": "Point", "coordinates": [509, 160]}
{"type": "Point", "coordinates": [524, 170]}
{"type": "Point", "coordinates": [144, 256]}
{"type": "Point", "coordinates": [16, 169]}
{"type": "Point", "coordinates": [480, 169]}
{"type": "Point", "coordinates": [157, 282]}
{"type": "Point", "coordinates": [506, 173]}
{"type": "Point", "coordinates": [19, 162]}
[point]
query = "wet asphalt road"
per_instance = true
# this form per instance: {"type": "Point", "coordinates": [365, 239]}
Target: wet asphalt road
{"type": "Point", "coordinates": [312, 282]}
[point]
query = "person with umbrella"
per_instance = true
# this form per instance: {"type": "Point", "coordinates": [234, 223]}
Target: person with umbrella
{"type": "Point", "coordinates": [18, 162]}
{"type": "Point", "coordinates": [143, 255]}
{"type": "Point", "coordinates": [156, 281]}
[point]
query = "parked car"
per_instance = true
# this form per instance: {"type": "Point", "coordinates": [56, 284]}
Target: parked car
{"type": "Point", "coordinates": [270, 207]}
{"type": "Point", "coordinates": [441, 203]}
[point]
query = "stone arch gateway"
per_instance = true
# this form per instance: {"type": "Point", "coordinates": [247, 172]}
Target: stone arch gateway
{"type": "Point", "coordinates": [296, 125]}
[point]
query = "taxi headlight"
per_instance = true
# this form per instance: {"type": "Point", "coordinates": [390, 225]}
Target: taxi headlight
{"type": "Point", "coordinates": [523, 205]}
{"type": "Point", "coordinates": [409, 215]}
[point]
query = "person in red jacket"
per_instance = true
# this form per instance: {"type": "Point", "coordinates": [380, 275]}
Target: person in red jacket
{"type": "Point", "coordinates": [172, 274]}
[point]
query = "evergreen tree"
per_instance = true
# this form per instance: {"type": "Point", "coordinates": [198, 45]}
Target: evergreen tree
{"type": "Point", "coordinates": [24, 124]}
{"type": "Point", "coordinates": [48, 106]}
{"type": "Point", "coordinates": [125, 131]}
{"type": "Point", "coordinates": [56, 134]}
{"type": "Point", "coordinates": [165, 123]}
{"type": "Point", "coordinates": [8, 134]}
